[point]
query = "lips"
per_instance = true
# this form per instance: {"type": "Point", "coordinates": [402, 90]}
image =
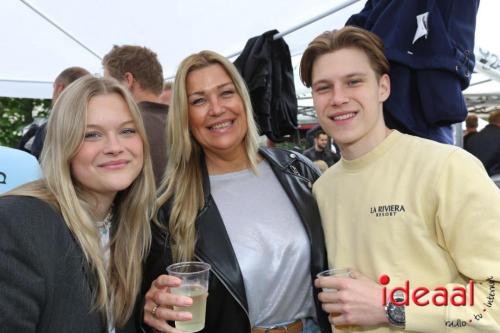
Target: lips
{"type": "Point", "coordinates": [117, 164]}
{"type": "Point", "coordinates": [221, 125]}
{"type": "Point", "coordinates": [343, 116]}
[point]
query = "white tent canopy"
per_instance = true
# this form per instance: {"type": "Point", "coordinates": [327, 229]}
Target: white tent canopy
{"type": "Point", "coordinates": [40, 38]}
{"type": "Point", "coordinates": [35, 51]}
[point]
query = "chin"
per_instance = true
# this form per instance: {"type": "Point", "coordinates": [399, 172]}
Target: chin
{"type": "Point", "coordinates": [118, 185]}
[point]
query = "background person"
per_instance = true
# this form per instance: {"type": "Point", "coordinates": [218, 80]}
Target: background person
{"type": "Point", "coordinates": [140, 70]}
{"type": "Point", "coordinates": [471, 123]}
{"type": "Point", "coordinates": [33, 140]}
{"type": "Point", "coordinates": [321, 150]}
{"type": "Point", "coordinates": [166, 94]}
{"type": "Point", "coordinates": [226, 202]}
{"type": "Point", "coordinates": [397, 205]}
{"type": "Point", "coordinates": [72, 244]}
{"type": "Point", "coordinates": [486, 145]}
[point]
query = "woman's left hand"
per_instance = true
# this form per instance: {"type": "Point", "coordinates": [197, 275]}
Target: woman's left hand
{"type": "Point", "coordinates": [158, 308]}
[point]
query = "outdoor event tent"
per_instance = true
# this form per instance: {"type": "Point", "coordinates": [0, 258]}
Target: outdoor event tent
{"type": "Point", "coordinates": [42, 37]}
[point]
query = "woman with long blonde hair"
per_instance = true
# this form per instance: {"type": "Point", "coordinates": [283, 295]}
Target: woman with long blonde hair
{"type": "Point", "coordinates": [245, 210]}
{"type": "Point", "coordinates": [72, 244]}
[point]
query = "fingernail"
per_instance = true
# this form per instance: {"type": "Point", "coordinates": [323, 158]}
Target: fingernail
{"type": "Point", "coordinates": [186, 315]}
{"type": "Point", "coordinates": [186, 301]}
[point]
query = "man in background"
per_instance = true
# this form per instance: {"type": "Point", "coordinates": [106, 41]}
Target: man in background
{"type": "Point", "coordinates": [138, 68]}
{"type": "Point", "coordinates": [34, 144]}
{"type": "Point", "coordinates": [471, 123]}
{"type": "Point", "coordinates": [485, 145]}
{"type": "Point", "coordinates": [166, 94]}
{"type": "Point", "coordinates": [321, 150]}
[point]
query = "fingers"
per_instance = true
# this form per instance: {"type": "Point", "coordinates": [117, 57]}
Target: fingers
{"type": "Point", "coordinates": [329, 297]}
{"type": "Point", "coordinates": [332, 282]}
{"type": "Point", "coordinates": [156, 317]}
{"type": "Point", "coordinates": [167, 299]}
{"type": "Point", "coordinates": [166, 281]}
{"type": "Point", "coordinates": [160, 302]}
{"type": "Point", "coordinates": [339, 320]}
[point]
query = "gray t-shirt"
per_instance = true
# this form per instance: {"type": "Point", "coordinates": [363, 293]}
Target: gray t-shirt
{"type": "Point", "coordinates": [270, 243]}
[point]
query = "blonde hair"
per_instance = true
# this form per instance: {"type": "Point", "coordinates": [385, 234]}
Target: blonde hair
{"type": "Point", "coordinates": [183, 181]}
{"type": "Point", "coordinates": [116, 288]}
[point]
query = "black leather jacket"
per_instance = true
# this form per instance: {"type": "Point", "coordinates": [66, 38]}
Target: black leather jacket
{"type": "Point", "coordinates": [227, 310]}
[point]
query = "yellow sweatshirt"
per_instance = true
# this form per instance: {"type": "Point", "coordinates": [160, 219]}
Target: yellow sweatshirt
{"type": "Point", "coordinates": [421, 212]}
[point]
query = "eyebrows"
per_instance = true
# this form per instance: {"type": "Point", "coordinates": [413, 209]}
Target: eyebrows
{"type": "Point", "coordinates": [125, 123]}
{"type": "Point", "coordinates": [218, 87]}
{"type": "Point", "coordinates": [343, 78]}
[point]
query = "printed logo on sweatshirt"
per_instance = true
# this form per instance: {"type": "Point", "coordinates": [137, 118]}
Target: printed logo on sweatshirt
{"type": "Point", "coordinates": [387, 210]}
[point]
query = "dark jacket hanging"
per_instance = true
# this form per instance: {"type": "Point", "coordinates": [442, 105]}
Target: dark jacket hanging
{"type": "Point", "coordinates": [428, 70]}
{"type": "Point", "coordinates": [266, 67]}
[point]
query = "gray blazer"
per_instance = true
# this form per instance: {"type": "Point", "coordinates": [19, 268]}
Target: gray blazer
{"type": "Point", "coordinates": [44, 285]}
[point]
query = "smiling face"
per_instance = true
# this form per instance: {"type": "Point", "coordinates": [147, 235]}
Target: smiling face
{"type": "Point", "coordinates": [217, 117]}
{"type": "Point", "coordinates": [321, 141]}
{"type": "Point", "coordinates": [348, 99]}
{"type": "Point", "coordinates": [111, 155]}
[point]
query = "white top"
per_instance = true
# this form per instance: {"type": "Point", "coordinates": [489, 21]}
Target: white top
{"type": "Point", "coordinates": [270, 243]}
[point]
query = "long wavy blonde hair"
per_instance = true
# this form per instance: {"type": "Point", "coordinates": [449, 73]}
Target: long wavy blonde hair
{"type": "Point", "coordinates": [117, 288]}
{"type": "Point", "coordinates": [183, 181]}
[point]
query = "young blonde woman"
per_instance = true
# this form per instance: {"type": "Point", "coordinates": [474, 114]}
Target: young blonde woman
{"type": "Point", "coordinates": [246, 211]}
{"type": "Point", "coordinates": [72, 244]}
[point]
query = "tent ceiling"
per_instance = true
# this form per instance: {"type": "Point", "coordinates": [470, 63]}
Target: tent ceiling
{"type": "Point", "coordinates": [35, 51]}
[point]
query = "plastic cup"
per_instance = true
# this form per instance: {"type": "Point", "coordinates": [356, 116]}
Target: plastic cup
{"type": "Point", "coordinates": [337, 272]}
{"type": "Point", "coordinates": [194, 276]}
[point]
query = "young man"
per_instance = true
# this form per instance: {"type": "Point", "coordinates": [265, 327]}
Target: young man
{"type": "Point", "coordinates": [321, 150]}
{"type": "Point", "coordinates": [140, 70]}
{"type": "Point", "coordinates": [400, 210]}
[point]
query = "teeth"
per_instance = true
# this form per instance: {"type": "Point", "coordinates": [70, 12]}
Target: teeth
{"type": "Point", "coordinates": [344, 116]}
{"type": "Point", "coordinates": [222, 125]}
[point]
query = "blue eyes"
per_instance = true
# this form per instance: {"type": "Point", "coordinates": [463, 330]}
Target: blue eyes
{"type": "Point", "coordinates": [92, 135]}
{"type": "Point", "coordinates": [327, 87]}
{"type": "Point", "coordinates": [227, 93]}
{"type": "Point", "coordinates": [95, 135]}
{"type": "Point", "coordinates": [197, 101]}
{"type": "Point", "coordinates": [224, 94]}
{"type": "Point", "coordinates": [353, 82]}
{"type": "Point", "coordinates": [129, 131]}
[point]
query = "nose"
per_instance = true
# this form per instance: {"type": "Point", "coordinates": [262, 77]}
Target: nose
{"type": "Point", "coordinates": [113, 145]}
{"type": "Point", "coordinates": [216, 106]}
{"type": "Point", "coordinates": [339, 96]}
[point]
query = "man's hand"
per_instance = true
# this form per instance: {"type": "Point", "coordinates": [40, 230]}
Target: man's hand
{"type": "Point", "coordinates": [355, 301]}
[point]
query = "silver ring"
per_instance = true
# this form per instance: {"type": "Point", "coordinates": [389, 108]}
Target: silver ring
{"type": "Point", "coordinates": [153, 312]}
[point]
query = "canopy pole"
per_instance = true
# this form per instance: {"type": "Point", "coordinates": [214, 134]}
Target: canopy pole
{"type": "Point", "coordinates": [29, 5]}
{"type": "Point", "coordinates": [306, 23]}
{"type": "Point", "coordinates": [24, 81]}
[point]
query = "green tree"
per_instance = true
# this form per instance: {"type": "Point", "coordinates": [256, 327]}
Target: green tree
{"type": "Point", "coordinates": [17, 113]}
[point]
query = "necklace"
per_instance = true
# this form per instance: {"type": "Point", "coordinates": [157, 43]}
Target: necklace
{"type": "Point", "coordinates": [105, 225]}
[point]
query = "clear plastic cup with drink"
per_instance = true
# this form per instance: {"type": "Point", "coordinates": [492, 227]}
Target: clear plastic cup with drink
{"type": "Point", "coordinates": [194, 276]}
